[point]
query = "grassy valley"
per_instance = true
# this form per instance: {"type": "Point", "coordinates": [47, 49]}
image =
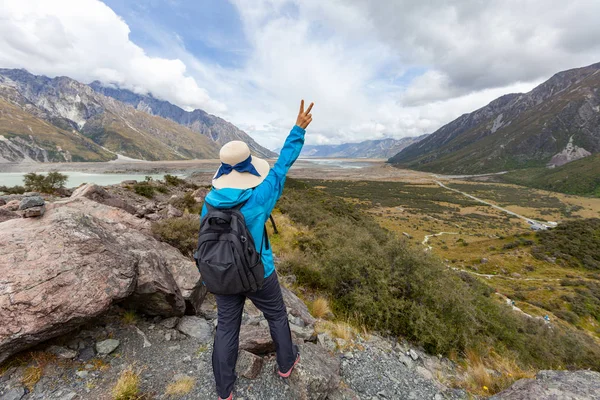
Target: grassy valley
{"type": "Point", "coordinates": [492, 246]}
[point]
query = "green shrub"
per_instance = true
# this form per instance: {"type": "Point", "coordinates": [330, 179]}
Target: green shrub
{"type": "Point", "coordinates": [181, 233]}
{"type": "Point", "coordinates": [377, 278]}
{"type": "Point", "coordinates": [172, 180]}
{"type": "Point", "coordinates": [12, 190]}
{"type": "Point", "coordinates": [144, 189]}
{"type": "Point", "coordinates": [45, 184]}
{"type": "Point", "coordinates": [187, 202]}
{"type": "Point", "coordinates": [161, 189]}
{"type": "Point", "coordinates": [568, 316]}
{"type": "Point", "coordinates": [575, 242]}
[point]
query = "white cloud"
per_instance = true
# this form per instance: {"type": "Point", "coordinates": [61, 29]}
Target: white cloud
{"type": "Point", "coordinates": [475, 45]}
{"type": "Point", "coordinates": [355, 58]}
{"type": "Point", "coordinates": [86, 40]}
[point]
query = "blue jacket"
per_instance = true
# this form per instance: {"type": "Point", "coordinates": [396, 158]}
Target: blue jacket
{"type": "Point", "coordinates": [261, 200]}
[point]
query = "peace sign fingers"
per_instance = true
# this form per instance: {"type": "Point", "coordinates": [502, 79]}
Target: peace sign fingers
{"type": "Point", "coordinates": [304, 117]}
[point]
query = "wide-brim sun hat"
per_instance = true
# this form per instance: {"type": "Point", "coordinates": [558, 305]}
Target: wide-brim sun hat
{"type": "Point", "coordinates": [239, 169]}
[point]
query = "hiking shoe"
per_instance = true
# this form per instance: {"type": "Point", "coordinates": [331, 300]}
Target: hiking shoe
{"type": "Point", "coordinates": [229, 398]}
{"type": "Point", "coordinates": [287, 374]}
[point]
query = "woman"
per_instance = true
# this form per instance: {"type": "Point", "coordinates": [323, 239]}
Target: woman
{"type": "Point", "coordinates": [243, 179]}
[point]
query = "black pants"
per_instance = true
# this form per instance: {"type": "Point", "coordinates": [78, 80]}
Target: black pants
{"type": "Point", "coordinates": [230, 307]}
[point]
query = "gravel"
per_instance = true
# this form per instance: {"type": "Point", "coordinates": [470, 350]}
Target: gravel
{"type": "Point", "coordinates": [380, 373]}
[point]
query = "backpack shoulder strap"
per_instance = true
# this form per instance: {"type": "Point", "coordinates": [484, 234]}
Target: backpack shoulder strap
{"type": "Point", "coordinates": [275, 231]}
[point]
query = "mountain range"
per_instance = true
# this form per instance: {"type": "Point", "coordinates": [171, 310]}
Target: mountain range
{"type": "Point", "coordinates": [382, 148]}
{"type": "Point", "coordinates": [555, 123]}
{"type": "Point", "coordinates": [61, 120]}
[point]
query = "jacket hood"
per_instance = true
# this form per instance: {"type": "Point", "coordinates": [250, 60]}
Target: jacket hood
{"type": "Point", "coordinates": [227, 197]}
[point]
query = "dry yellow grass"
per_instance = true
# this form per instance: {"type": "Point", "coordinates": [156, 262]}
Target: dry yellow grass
{"type": "Point", "coordinates": [127, 386]}
{"type": "Point", "coordinates": [99, 364]}
{"type": "Point", "coordinates": [490, 374]}
{"type": "Point", "coordinates": [337, 329]}
{"type": "Point", "coordinates": [31, 376]}
{"type": "Point", "coordinates": [33, 373]}
{"type": "Point", "coordinates": [181, 387]}
{"type": "Point", "coordinates": [319, 308]}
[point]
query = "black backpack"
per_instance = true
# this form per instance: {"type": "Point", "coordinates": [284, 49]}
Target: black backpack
{"type": "Point", "coordinates": [226, 255]}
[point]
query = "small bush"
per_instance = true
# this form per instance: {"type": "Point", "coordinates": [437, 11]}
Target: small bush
{"type": "Point", "coordinates": [172, 180]}
{"type": "Point", "coordinates": [12, 190]}
{"type": "Point", "coordinates": [568, 316]}
{"type": "Point", "coordinates": [161, 189]}
{"type": "Point", "coordinates": [45, 184]}
{"type": "Point", "coordinates": [181, 233]}
{"type": "Point", "coordinates": [187, 202]}
{"type": "Point", "coordinates": [144, 189]}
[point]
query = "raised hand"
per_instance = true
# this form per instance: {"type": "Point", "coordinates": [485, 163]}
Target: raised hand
{"type": "Point", "coordinates": [304, 117]}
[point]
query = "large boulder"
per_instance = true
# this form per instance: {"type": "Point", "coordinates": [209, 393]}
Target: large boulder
{"type": "Point", "coordinates": [256, 339]}
{"type": "Point", "coordinates": [100, 195]}
{"type": "Point", "coordinates": [6, 215]}
{"type": "Point", "coordinates": [33, 212]}
{"type": "Point", "coordinates": [200, 194]}
{"type": "Point", "coordinates": [183, 270]}
{"type": "Point", "coordinates": [248, 365]}
{"type": "Point", "coordinates": [30, 202]}
{"type": "Point", "coordinates": [12, 205]}
{"type": "Point", "coordinates": [196, 327]}
{"type": "Point", "coordinates": [58, 272]}
{"type": "Point", "coordinates": [317, 375]}
{"type": "Point", "coordinates": [156, 292]}
{"type": "Point", "coordinates": [70, 265]}
{"type": "Point", "coordinates": [550, 385]}
{"type": "Point", "coordinates": [298, 308]}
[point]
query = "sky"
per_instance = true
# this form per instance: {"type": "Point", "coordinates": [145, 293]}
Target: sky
{"type": "Point", "coordinates": [375, 69]}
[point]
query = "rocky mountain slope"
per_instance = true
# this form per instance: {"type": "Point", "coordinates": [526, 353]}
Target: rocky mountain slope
{"type": "Point", "coordinates": [555, 123]}
{"type": "Point", "coordinates": [60, 119]}
{"type": "Point", "coordinates": [580, 177]}
{"type": "Point", "coordinates": [197, 120]}
{"type": "Point", "coordinates": [382, 148]}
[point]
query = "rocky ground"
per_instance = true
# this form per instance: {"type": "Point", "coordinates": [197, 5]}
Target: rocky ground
{"type": "Point", "coordinates": [88, 294]}
{"type": "Point", "coordinates": [163, 354]}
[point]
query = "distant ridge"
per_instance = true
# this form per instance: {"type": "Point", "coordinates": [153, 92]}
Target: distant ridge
{"type": "Point", "coordinates": [59, 119]}
{"type": "Point", "coordinates": [381, 148]}
{"type": "Point", "coordinates": [555, 123]}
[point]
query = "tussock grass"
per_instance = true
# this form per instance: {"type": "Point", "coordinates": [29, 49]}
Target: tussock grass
{"type": "Point", "coordinates": [201, 349]}
{"type": "Point", "coordinates": [129, 317]}
{"type": "Point", "coordinates": [31, 376]}
{"type": "Point", "coordinates": [128, 385]}
{"type": "Point", "coordinates": [489, 373]}
{"type": "Point", "coordinates": [337, 329]}
{"type": "Point", "coordinates": [319, 308]}
{"type": "Point", "coordinates": [180, 387]}
{"type": "Point", "coordinates": [38, 361]}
